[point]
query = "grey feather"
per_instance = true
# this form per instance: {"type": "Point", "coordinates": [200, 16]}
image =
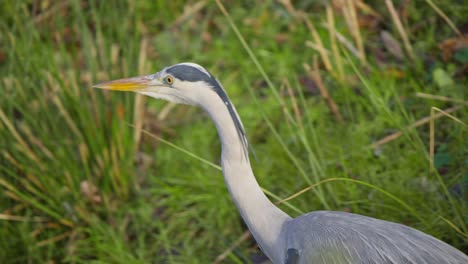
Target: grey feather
{"type": "Point", "coordinates": [338, 237]}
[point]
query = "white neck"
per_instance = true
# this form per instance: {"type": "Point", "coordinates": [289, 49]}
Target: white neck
{"type": "Point", "coordinates": [263, 218]}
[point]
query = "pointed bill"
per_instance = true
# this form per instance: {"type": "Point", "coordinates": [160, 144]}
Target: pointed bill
{"type": "Point", "coordinates": [128, 84]}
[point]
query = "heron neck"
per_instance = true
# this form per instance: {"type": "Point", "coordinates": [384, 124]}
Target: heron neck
{"type": "Point", "coordinates": [263, 218]}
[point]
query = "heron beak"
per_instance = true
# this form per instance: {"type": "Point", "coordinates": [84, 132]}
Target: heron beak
{"type": "Point", "coordinates": [128, 84]}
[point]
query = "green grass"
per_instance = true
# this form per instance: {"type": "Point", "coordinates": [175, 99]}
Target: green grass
{"type": "Point", "coordinates": [75, 185]}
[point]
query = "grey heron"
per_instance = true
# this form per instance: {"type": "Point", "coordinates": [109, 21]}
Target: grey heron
{"type": "Point", "coordinates": [315, 237]}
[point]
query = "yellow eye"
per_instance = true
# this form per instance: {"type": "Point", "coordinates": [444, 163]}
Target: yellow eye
{"type": "Point", "coordinates": [169, 79]}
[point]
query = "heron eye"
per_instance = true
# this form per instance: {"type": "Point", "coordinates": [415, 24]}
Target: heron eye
{"type": "Point", "coordinates": [169, 79]}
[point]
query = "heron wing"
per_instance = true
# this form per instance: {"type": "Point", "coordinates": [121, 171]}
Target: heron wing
{"type": "Point", "coordinates": [338, 237]}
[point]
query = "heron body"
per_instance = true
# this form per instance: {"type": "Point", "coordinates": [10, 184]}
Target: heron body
{"type": "Point", "coordinates": [316, 237]}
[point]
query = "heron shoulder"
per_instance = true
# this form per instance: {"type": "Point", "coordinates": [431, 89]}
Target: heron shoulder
{"type": "Point", "coordinates": [339, 237]}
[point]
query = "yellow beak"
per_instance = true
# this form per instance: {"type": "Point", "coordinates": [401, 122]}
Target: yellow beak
{"type": "Point", "coordinates": [128, 84]}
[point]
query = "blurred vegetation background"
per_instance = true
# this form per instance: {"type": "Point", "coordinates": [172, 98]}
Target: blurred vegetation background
{"type": "Point", "coordinates": [362, 100]}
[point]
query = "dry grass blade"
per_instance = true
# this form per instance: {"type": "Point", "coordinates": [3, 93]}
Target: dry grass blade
{"type": "Point", "coordinates": [220, 258]}
{"type": "Point", "coordinates": [40, 206]}
{"type": "Point", "coordinates": [349, 11]}
{"type": "Point", "coordinates": [314, 75]}
{"type": "Point", "coordinates": [67, 117]}
{"type": "Point", "coordinates": [444, 17]}
{"type": "Point", "coordinates": [319, 43]}
{"type": "Point", "coordinates": [305, 190]}
{"type": "Point", "coordinates": [418, 123]}
{"type": "Point", "coordinates": [189, 11]}
{"type": "Point", "coordinates": [205, 161]}
{"type": "Point", "coordinates": [440, 98]}
{"type": "Point", "coordinates": [21, 218]}
{"type": "Point", "coordinates": [12, 160]}
{"type": "Point", "coordinates": [401, 30]}
{"type": "Point", "coordinates": [367, 9]}
{"type": "Point", "coordinates": [295, 105]}
{"type": "Point", "coordinates": [20, 140]}
{"type": "Point", "coordinates": [162, 115]}
{"type": "Point", "coordinates": [37, 183]}
{"type": "Point", "coordinates": [320, 49]}
{"type": "Point", "coordinates": [445, 113]}
{"type": "Point", "coordinates": [117, 177]}
{"type": "Point", "coordinates": [54, 239]}
{"type": "Point", "coordinates": [51, 12]}
{"type": "Point", "coordinates": [36, 141]}
{"type": "Point", "coordinates": [456, 228]}
{"type": "Point", "coordinates": [384, 192]}
{"type": "Point", "coordinates": [139, 110]}
{"type": "Point", "coordinates": [344, 41]}
{"type": "Point", "coordinates": [432, 130]}
{"type": "Point", "coordinates": [289, 7]}
{"type": "Point", "coordinates": [56, 99]}
{"type": "Point", "coordinates": [334, 46]}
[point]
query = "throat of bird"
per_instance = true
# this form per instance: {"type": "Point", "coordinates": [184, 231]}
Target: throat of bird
{"type": "Point", "coordinates": [263, 218]}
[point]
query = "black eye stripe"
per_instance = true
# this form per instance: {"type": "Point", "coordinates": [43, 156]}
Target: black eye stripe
{"type": "Point", "coordinates": [188, 73]}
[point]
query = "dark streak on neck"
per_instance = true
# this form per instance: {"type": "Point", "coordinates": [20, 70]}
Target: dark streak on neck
{"type": "Point", "coordinates": [192, 74]}
{"type": "Point", "coordinates": [240, 130]}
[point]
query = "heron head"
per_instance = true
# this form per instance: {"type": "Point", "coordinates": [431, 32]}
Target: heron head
{"type": "Point", "coordinates": [186, 83]}
{"type": "Point", "coordinates": [180, 83]}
